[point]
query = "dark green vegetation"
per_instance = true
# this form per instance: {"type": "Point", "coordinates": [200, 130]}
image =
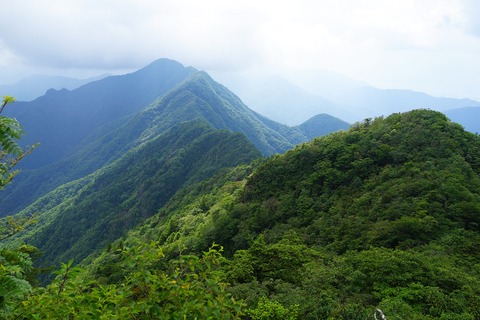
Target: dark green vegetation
{"type": "Point", "coordinates": [385, 215]}
{"type": "Point", "coordinates": [121, 195]}
{"type": "Point", "coordinates": [109, 111]}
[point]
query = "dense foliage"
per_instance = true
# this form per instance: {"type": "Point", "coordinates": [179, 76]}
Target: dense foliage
{"type": "Point", "coordinates": [190, 287]}
{"type": "Point", "coordinates": [383, 216]}
{"type": "Point", "coordinates": [10, 151]}
{"type": "Point", "coordinates": [15, 263]}
{"type": "Point", "coordinates": [98, 209]}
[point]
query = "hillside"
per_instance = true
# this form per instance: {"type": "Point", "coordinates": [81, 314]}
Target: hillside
{"type": "Point", "coordinates": [197, 97]}
{"type": "Point", "coordinates": [384, 215]}
{"type": "Point", "coordinates": [119, 196]}
{"type": "Point", "coordinates": [201, 97]}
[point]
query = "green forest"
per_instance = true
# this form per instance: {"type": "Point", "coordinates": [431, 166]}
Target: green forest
{"type": "Point", "coordinates": [382, 219]}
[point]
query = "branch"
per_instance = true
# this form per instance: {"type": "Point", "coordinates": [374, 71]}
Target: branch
{"type": "Point", "coordinates": [5, 100]}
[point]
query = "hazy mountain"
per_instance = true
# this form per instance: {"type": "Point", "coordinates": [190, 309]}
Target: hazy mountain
{"type": "Point", "coordinates": [295, 97]}
{"type": "Point", "coordinates": [35, 86]}
{"type": "Point", "coordinates": [368, 102]}
{"type": "Point", "coordinates": [61, 119]}
{"type": "Point", "coordinates": [468, 117]}
{"type": "Point", "coordinates": [321, 125]}
{"type": "Point", "coordinates": [282, 101]}
{"type": "Point", "coordinates": [324, 83]}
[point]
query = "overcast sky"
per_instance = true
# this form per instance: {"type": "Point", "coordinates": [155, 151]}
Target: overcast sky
{"type": "Point", "coordinates": [424, 45]}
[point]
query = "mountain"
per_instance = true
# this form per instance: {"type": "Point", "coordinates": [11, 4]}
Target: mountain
{"type": "Point", "coordinates": [284, 102]}
{"type": "Point", "coordinates": [295, 97]}
{"type": "Point", "coordinates": [119, 196]}
{"type": "Point", "coordinates": [369, 102]}
{"type": "Point", "coordinates": [383, 216]}
{"type": "Point", "coordinates": [35, 86]}
{"type": "Point", "coordinates": [61, 119]}
{"type": "Point", "coordinates": [201, 97]}
{"type": "Point", "coordinates": [346, 224]}
{"type": "Point", "coordinates": [197, 97]}
{"type": "Point", "coordinates": [467, 117]}
{"type": "Point", "coordinates": [322, 124]}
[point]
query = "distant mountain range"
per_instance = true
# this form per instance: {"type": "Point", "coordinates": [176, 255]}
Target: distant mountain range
{"type": "Point", "coordinates": [292, 100]}
{"type": "Point", "coordinates": [369, 102]}
{"type": "Point", "coordinates": [302, 95]}
{"type": "Point", "coordinates": [35, 86]}
{"type": "Point", "coordinates": [468, 117]}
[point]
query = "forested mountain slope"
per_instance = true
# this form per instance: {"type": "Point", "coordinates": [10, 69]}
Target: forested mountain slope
{"type": "Point", "coordinates": [133, 188]}
{"type": "Point", "coordinates": [385, 215]}
{"type": "Point", "coordinates": [201, 97]}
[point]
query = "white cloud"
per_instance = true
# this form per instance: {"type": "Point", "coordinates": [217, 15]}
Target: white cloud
{"type": "Point", "coordinates": [395, 42]}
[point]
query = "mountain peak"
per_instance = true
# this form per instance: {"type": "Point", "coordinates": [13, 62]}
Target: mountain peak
{"type": "Point", "coordinates": [163, 65]}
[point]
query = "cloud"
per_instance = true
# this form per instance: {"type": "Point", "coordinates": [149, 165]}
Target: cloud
{"type": "Point", "coordinates": [373, 40]}
{"type": "Point", "coordinates": [216, 34]}
{"type": "Point", "coordinates": [471, 9]}
{"type": "Point", "coordinates": [99, 34]}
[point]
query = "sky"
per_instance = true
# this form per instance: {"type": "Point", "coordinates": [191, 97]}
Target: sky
{"type": "Point", "coordinates": [431, 46]}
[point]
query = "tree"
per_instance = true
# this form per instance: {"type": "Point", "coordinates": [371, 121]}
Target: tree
{"type": "Point", "coordinates": [15, 264]}
{"type": "Point", "coordinates": [10, 152]}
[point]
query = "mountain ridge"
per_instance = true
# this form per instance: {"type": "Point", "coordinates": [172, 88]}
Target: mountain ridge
{"type": "Point", "coordinates": [124, 193]}
{"type": "Point", "coordinates": [196, 97]}
{"type": "Point", "coordinates": [61, 119]}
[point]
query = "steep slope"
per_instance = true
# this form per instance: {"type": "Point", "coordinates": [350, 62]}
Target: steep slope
{"type": "Point", "coordinates": [61, 119]}
{"type": "Point", "coordinates": [121, 195]}
{"type": "Point", "coordinates": [201, 97]}
{"type": "Point", "coordinates": [385, 183]}
{"type": "Point", "coordinates": [398, 182]}
{"type": "Point", "coordinates": [383, 216]}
